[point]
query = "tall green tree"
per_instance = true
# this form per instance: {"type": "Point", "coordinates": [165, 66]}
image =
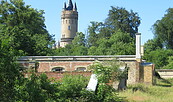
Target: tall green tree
{"type": "Point", "coordinates": [9, 71]}
{"type": "Point", "coordinates": [118, 44]}
{"type": "Point", "coordinates": [152, 45]}
{"type": "Point", "coordinates": [163, 29]}
{"type": "Point", "coordinates": [159, 57]}
{"type": "Point", "coordinates": [121, 19]}
{"type": "Point", "coordinates": [114, 36]}
{"type": "Point", "coordinates": [93, 32]}
{"type": "Point", "coordinates": [25, 26]}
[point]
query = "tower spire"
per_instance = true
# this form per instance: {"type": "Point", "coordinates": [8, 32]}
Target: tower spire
{"type": "Point", "coordinates": [75, 7]}
{"type": "Point", "coordinates": [70, 5]}
{"type": "Point", "coordinates": [65, 6]}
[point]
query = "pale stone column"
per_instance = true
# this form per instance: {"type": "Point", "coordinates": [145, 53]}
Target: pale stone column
{"type": "Point", "coordinates": [138, 47]}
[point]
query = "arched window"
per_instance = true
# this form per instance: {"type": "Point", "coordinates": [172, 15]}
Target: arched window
{"type": "Point", "coordinates": [58, 69]}
{"type": "Point", "coordinates": [81, 69]}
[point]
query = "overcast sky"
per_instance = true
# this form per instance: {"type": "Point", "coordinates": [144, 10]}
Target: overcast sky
{"type": "Point", "coordinates": [97, 10]}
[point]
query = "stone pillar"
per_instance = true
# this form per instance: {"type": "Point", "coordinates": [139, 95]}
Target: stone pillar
{"type": "Point", "coordinates": [138, 47]}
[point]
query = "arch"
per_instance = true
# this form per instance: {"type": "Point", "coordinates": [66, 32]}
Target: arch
{"type": "Point", "coordinates": [58, 69]}
{"type": "Point", "coordinates": [81, 69]}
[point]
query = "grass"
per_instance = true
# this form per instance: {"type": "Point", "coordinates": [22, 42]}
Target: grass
{"type": "Point", "coordinates": [161, 92]}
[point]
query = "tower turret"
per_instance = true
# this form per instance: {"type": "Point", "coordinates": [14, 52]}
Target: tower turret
{"type": "Point", "coordinates": [75, 7]}
{"type": "Point", "coordinates": [69, 23]}
{"type": "Point", "coordinates": [70, 5]}
{"type": "Point", "coordinates": [64, 6]}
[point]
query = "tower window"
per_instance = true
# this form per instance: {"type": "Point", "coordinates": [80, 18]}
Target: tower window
{"type": "Point", "coordinates": [63, 36]}
{"type": "Point", "coordinates": [69, 28]}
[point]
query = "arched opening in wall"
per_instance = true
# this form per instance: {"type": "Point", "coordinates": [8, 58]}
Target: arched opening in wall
{"type": "Point", "coordinates": [81, 69]}
{"type": "Point", "coordinates": [58, 69]}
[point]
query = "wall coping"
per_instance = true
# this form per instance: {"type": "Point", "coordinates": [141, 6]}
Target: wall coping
{"type": "Point", "coordinates": [164, 70]}
{"type": "Point", "coordinates": [78, 58]}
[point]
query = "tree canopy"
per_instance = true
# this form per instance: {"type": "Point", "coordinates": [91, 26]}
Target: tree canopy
{"type": "Point", "coordinates": [25, 27]}
{"type": "Point", "coordinates": [120, 18]}
{"type": "Point", "coordinates": [159, 49]}
{"type": "Point", "coordinates": [163, 29]}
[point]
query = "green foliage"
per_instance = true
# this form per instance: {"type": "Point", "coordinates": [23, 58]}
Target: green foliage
{"type": "Point", "coordinates": [170, 63]}
{"type": "Point", "coordinates": [106, 93]}
{"type": "Point", "coordinates": [71, 87]}
{"type": "Point", "coordinates": [121, 19]}
{"type": "Point", "coordinates": [94, 31]}
{"type": "Point", "coordinates": [25, 27]}
{"type": "Point", "coordinates": [152, 45]}
{"type": "Point", "coordinates": [115, 36]}
{"type": "Point", "coordinates": [77, 48]}
{"type": "Point", "coordinates": [36, 88]}
{"type": "Point", "coordinates": [163, 29]}
{"type": "Point", "coordinates": [118, 44]}
{"type": "Point", "coordinates": [159, 57]}
{"type": "Point", "coordinates": [107, 71]}
{"type": "Point", "coordinates": [9, 71]}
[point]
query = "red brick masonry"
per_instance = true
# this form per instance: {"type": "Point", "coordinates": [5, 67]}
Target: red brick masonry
{"type": "Point", "coordinates": [59, 75]}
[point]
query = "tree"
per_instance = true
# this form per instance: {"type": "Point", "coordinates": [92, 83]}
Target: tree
{"type": "Point", "coordinates": [159, 57]}
{"type": "Point", "coordinates": [77, 48]}
{"type": "Point", "coordinates": [25, 27]}
{"type": "Point", "coordinates": [93, 31]}
{"type": "Point", "coordinates": [9, 71]}
{"type": "Point", "coordinates": [120, 19]}
{"type": "Point", "coordinates": [79, 39]}
{"type": "Point", "coordinates": [170, 63]}
{"type": "Point", "coordinates": [36, 88]}
{"type": "Point", "coordinates": [163, 29]}
{"type": "Point", "coordinates": [118, 44]}
{"type": "Point", "coordinates": [116, 35]}
{"type": "Point", "coordinates": [152, 45]}
{"type": "Point", "coordinates": [105, 72]}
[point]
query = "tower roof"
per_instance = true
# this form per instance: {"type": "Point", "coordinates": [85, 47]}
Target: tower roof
{"type": "Point", "coordinates": [70, 5]}
{"type": "Point", "coordinates": [75, 7]}
{"type": "Point", "coordinates": [65, 6]}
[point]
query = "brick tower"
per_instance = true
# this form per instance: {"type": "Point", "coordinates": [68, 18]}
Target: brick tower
{"type": "Point", "coordinates": [69, 23]}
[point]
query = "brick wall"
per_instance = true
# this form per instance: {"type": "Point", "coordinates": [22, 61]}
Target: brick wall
{"type": "Point", "coordinates": [68, 66]}
{"type": "Point", "coordinates": [59, 75]}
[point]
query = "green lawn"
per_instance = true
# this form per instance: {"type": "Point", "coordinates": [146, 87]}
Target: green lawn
{"type": "Point", "coordinates": [161, 92]}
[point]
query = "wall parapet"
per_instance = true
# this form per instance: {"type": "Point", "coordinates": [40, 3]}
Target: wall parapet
{"type": "Point", "coordinates": [78, 58]}
{"type": "Point", "coordinates": [165, 73]}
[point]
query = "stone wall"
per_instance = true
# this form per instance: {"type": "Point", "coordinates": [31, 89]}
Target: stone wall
{"type": "Point", "coordinates": [146, 73]}
{"type": "Point", "coordinates": [165, 73]}
{"type": "Point", "coordinates": [132, 72]}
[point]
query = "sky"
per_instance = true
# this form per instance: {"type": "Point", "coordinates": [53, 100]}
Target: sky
{"type": "Point", "coordinates": [97, 10]}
